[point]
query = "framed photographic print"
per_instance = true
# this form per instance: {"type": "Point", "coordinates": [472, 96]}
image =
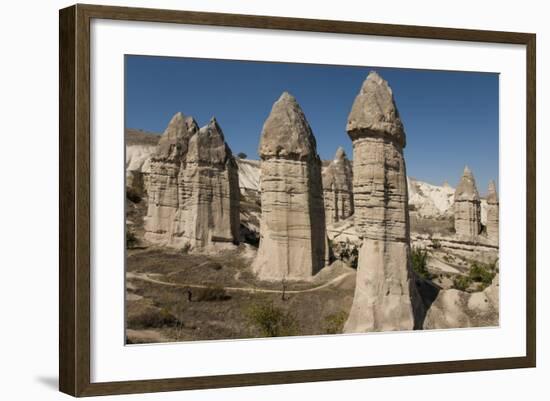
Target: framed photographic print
{"type": "Point", "coordinates": [250, 200]}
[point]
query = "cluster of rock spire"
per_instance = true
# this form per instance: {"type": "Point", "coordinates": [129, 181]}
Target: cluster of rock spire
{"type": "Point", "coordinates": [467, 209]}
{"type": "Point", "coordinates": [193, 195]}
{"type": "Point", "coordinates": [193, 191]}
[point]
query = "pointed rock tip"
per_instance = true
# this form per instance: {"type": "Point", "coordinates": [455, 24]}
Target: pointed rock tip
{"type": "Point", "coordinates": [340, 154]}
{"type": "Point", "coordinates": [492, 195]}
{"type": "Point", "coordinates": [286, 96]}
{"type": "Point", "coordinates": [374, 112]}
{"type": "Point", "coordinates": [466, 189]}
{"type": "Point", "coordinates": [375, 76]}
{"type": "Point", "coordinates": [286, 132]}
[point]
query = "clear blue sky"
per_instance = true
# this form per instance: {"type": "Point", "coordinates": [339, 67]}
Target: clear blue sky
{"type": "Point", "coordinates": [450, 118]}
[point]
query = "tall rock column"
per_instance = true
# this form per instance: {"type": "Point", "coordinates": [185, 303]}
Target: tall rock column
{"type": "Point", "coordinates": [385, 297]}
{"type": "Point", "coordinates": [338, 188]}
{"type": "Point", "coordinates": [492, 213]}
{"type": "Point", "coordinates": [467, 207]}
{"type": "Point", "coordinates": [209, 191]}
{"type": "Point", "coordinates": [293, 238]}
{"type": "Point", "coordinates": [165, 166]}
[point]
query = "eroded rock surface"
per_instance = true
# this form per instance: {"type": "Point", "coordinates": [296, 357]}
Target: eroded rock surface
{"type": "Point", "coordinates": [467, 207]}
{"type": "Point", "coordinates": [293, 238]}
{"type": "Point", "coordinates": [492, 213]}
{"type": "Point", "coordinates": [385, 295]}
{"type": "Point", "coordinates": [193, 194]}
{"type": "Point", "coordinates": [338, 188]}
{"type": "Point", "coordinates": [455, 309]}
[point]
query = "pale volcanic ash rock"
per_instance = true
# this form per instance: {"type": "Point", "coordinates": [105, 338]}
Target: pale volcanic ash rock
{"type": "Point", "coordinates": [467, 207]}
{"type": "Point", "coordinates": [293, 242]}
{"type": "Point", "coordinates": [193, 194]}
{"type": "Point", "coordinates": [386, 297]}
{"type": "Point", "coordinates": [338, 188]}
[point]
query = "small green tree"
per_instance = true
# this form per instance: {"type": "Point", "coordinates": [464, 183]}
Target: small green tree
{"type": "Point", "coordinates": [272, 321]}
{"type": "Point", "coordinates": [419, 258]}
{"type": "Point", "coordinates": [334, 323]}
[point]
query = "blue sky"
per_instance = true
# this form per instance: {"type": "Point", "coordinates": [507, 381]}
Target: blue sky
{"type": "Point", "coordinates": [450, 118]}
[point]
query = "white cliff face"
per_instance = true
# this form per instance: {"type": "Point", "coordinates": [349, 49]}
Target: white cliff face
{"type": "Point", "coordinates": [137, 157]}
{"type": "Point", "coordinates": [430, 200]}
{"type": "Point", "coordinates": [249, 175]}
{"type": "Point", "coordinates": [385, 297]}
{"type": "Point", "coordinates": [293, 242]}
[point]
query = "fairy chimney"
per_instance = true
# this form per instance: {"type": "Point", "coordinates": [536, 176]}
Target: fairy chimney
{"type": "Point", "coordinates": [492, 212]}
{"type": "Point", "coordinates": [338, 188]}
{"type": "Point", "coordinates": [467, 207]}
{"type": "Point", "coordinates": [385, 297]}
{"type": "Point", "coordinates": [293, 239]}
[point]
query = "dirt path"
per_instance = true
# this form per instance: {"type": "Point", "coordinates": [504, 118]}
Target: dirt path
{"type": "Point", "coordinates": [146, 277]}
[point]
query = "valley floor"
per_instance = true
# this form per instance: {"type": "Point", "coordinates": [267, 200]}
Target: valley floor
{"type": "Point", "coordinates": [173, 296]}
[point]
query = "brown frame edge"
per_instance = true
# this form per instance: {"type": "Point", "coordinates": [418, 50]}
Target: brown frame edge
{"type": "Point", "coordinates": [74, 199]}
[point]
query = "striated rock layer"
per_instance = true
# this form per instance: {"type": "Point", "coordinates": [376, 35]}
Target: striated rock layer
{"type": "Point", "coordinates": [338, 188]}
{"type": "Point", "coordinates": [193, 194]}
{"type": "Point", "coordinates": [467, 206]}
{"type": "Point", "coordinates": [385, 294]}
{"type": "Point", "coordinates": [293, 239]}
{"type": "Point", "coordinates": [492, 213]}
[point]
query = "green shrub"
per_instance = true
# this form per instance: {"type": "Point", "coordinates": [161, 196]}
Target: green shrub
{"type": "Point", "coordinates": [436, 244]}
{"type": "Point", "coordinates": [334, 323]}
{"type": "Point", "coordinates": [482, 274]}
{"type": "Point", "coordinates": [479, 273]}
{"type": "Point", "coordinates": [462, 282]}
{"type": "Point", "coordinates": [419, 259]}
{"type": "Point", "coordinates": [272, 321]}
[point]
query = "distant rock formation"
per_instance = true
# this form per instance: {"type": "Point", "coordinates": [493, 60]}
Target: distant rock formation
{"type": "Point", "coordinates": [338, 188]}
{"type": "Point", "coordinates": [293, 238]}
{"type": "Point", "coordinates": [139, 148]}
{"type": "Point", "coordinates": [492, 213]}
{"type": "Point", "coordinates": [467, 208]}
{"type": "Point", "coordinates": [193, 194]}
{"type": "Point", "coordinates": [386, 297]}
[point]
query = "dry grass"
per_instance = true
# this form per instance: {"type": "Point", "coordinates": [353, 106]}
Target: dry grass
{"type": "Point", "coordinates": [215, 313]}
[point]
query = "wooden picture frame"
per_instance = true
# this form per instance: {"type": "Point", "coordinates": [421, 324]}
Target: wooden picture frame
{"type": "Point", "coordinates": [74, 199]}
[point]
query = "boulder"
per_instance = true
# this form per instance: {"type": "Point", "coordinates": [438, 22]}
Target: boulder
{"type": "Point", "coordinates": [457, 309]}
